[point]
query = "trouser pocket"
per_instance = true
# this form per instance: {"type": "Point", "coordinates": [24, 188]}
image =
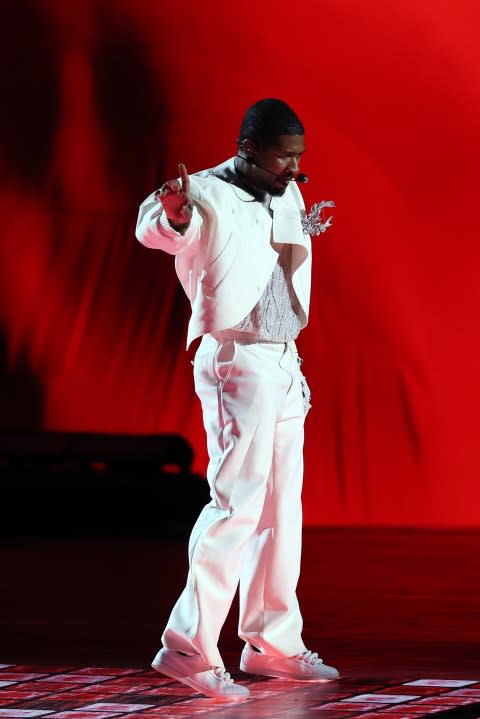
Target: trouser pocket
{"type": "Point", "coordinates": [223, 361]}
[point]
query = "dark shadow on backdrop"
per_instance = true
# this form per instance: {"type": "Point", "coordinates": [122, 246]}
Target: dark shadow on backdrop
{"type": "Point", "coordinates": [29, 91]}
{"type": "Point", "coordinates": [21, 393]}
{"type": "Point", "coordinates": [130, 103]}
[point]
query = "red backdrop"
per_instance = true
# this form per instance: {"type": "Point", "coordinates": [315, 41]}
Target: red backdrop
{"type": "Point", "coordinates": [100, 100]}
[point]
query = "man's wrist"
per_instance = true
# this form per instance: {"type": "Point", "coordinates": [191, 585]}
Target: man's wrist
{"type": "Point", "coordinates": [178, 228]}
{"type": "Point", "coordinates": [165, 225]}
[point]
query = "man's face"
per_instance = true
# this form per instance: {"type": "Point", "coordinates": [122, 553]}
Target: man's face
{"type": "Point", "coordinates": [282, 159]}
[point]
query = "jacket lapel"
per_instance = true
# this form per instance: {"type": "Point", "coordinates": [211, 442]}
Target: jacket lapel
{"type": "Point", "coordinates": [287, 225]}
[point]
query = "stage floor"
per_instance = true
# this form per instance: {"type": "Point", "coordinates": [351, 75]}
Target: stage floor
{"type": "Point", "coordinates": [397, 611]}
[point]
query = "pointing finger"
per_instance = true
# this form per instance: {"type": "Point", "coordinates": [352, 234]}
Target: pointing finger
{"type": "Point", "coordinates": [184, 177]}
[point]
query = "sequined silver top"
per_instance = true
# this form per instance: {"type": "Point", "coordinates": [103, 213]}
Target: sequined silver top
{"type": "Point", "coordinates": [276, 316]}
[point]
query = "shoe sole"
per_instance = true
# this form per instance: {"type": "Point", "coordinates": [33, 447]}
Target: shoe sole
{"type": "Point", "coordinates": [195, 685]}
{"type": "Point", "coordinates": [288, 676]}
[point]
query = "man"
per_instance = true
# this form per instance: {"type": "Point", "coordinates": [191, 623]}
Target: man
{"type": "Point", "coordinates": [244, 262]}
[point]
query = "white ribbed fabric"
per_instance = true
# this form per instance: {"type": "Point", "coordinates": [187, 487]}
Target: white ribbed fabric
{"type": "Point", "coordinates": [250, 532]}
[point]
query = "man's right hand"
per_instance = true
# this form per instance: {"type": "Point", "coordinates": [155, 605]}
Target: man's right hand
{"type": "Point", "coordinates": [177, 201]}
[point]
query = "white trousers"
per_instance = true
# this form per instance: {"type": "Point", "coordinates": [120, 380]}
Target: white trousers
{"type": "Point", "coordinates": [254, 405]}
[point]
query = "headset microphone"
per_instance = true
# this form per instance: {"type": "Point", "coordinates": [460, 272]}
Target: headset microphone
{"type": "Point", "coordinates": [301, 178]}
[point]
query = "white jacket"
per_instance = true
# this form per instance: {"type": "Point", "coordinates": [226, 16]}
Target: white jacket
{"type": "Point", "coordinates": [226, 257]}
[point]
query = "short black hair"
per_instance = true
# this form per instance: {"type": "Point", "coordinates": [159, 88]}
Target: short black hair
{"type": "Point", "coordinates": [266, 119]}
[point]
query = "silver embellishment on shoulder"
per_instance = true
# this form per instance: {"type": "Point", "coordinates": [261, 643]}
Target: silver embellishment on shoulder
{"type": "Point", "coordinates": [313, 223]}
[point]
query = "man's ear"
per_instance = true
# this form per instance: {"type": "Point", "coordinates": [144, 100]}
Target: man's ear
{"type": "Point", "coordinates": [249, 147]}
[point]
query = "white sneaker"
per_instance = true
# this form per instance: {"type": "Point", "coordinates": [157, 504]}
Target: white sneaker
{"type": "Point", "coordinates": [302, 667]}
{"type": "Point", "coordinates": [192, 670]}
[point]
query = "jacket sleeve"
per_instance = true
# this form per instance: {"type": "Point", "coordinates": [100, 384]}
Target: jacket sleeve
{"type": "Point", "coordinates": [153, 229]}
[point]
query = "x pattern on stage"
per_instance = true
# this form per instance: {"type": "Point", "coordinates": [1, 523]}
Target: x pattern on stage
{"type": "Point", "coordinates": [68, 692]}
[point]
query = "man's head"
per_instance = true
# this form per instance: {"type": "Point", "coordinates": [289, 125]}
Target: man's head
{"type": "Point", "coordinates": [270, 144]}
